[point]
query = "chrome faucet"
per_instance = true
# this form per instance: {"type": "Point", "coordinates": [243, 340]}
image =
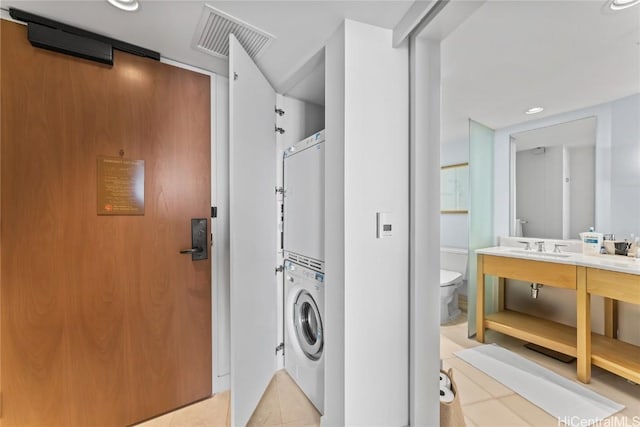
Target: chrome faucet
{"type": "Point", "coordinates": [540, 246]}
{"type": "Point", "coordinates": [557, 246]}
{"type": "Point", "coordinates": [527, 245]}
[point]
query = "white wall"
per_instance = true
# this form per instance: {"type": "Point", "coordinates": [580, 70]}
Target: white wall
{"type": "Point", "coordinates": [454, 228]}
{"type": "Point", "coordinates": [367, 158]}
{"type": "Point", "coordinates": [300, 120]}
{"type": "Point", "coordinates": [455, 152]}
{"type": "Point", "coordinates": [313, 118]}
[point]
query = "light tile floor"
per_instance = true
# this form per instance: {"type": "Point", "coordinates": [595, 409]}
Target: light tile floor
{"type": "Point", "coordinates": [283, 404]}
{"type": "Point", "coordinates": [485, 402]}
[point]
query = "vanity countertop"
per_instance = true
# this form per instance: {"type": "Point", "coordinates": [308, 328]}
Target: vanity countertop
{"type": "Point", "coordinates": [617, 263]}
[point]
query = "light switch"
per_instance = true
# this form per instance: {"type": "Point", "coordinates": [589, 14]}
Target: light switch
{"type": "Point", "coordinates": [384, 221]}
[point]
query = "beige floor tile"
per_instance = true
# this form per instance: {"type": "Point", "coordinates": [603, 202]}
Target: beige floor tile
{"type": "Point", "coordinates": [492, 413]}
{"type": "Point", "coordinates": [452, 329]}
{"type": "Point", "coordinates": [294, 405]}
{"type": "Point", "coordinates": [302, 424]}
{"type": "Point", "coordinates": [220, 407]}
{"type": "Point", "coordinates": [448, 347]}
{"type": "Point", "coordinates": [460, 321]}
{"type": "Point", "coordinates": [468, 390]}
{"type": "Point", "coordinates": [469, 423]}
{"type": "Point", "coordinates": [267, 413]}
{"type": "Point", "coordinates": [281, 373]}
{"type": "Point", "coordinates": [493, 387]}
{"type": "Point", "coordinates": [161, 421]}
{"type": "Point", "coordinates": [530, 412]}
{"type": "Point", "coordinates": [625, 418]}
{"type": "Point", "coordinates": [459, 336]}
{"type": "Point", "coordinates": [209, 412]}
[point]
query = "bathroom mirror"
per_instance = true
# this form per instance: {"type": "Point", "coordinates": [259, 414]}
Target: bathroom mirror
{"type": "Point", "coordinates": [554, 179]}
{"type": "Point", "coordinates": [594, 166]}
{"type": "Point", "coordinates": [454, 188]}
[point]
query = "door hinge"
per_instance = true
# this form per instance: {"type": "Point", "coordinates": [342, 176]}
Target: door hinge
{"type": "Point", "coordinates": [280, 347]}
{"type": "Point", "coordinates": [279, 111]}
{"type": "Point", "coordinates": [280, 190]}
{"type": "Point", "coordinates": [214, 211]}
{"type": "Point", "coordinates": [279, 130]}
{"type": "Point", "coordinates": [235, 76]}
{"type": "Point", "coordinates": [279, 269]}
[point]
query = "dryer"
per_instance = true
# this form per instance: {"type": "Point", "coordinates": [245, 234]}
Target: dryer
{"type": "Point", "coordinates": [304, 330]}
{"type": "Point", "coordinates": [303, 168]}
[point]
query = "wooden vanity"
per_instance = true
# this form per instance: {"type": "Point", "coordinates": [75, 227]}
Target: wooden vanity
{"type": "Point", "coordinates": [587, 276]}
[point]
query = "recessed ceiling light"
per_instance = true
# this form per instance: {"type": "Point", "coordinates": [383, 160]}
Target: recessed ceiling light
{"type": "Point", "coordinates": [621, 4]}
{"type": "Point", "coordinates": [535, 110]}
{"type": "Point", "coordinates": [128, 5]}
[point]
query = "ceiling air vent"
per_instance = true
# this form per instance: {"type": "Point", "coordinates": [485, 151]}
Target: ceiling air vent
{"type": "Point", "coordinates": [212, 34]}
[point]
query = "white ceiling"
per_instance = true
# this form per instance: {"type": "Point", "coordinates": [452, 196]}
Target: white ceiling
{"type": "Point", "coordinates": [512, 55]}
{"type": "Point", "coordinates": [570, 134]}
{"type": "Point", "coordinates": [505, 58]}
{"type": "Point", "coordinates": [301, 27]}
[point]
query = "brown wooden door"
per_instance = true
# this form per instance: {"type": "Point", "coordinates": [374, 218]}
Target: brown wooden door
{"type": "Point", "coordinates": [103, 321]}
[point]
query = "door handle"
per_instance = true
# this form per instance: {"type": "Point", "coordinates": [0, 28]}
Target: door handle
{"type": "Point", "coordinates": [191, 251]}
{"type": "Point", "coordinates": [199, 236]}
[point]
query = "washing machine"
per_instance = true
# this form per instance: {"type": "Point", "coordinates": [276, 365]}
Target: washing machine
{"type": "Point", "coordinates": [304, 330]}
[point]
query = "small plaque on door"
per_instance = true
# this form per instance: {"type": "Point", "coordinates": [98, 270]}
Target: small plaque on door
{"type": "Point", "coordinates": [120, 186]}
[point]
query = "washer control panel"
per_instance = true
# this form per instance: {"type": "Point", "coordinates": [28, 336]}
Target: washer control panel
{"type": "Point", "coordinates": [295, 271]}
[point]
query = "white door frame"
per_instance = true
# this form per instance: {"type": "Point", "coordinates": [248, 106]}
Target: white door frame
{"type": "Point", "coordinates": [424, 252]}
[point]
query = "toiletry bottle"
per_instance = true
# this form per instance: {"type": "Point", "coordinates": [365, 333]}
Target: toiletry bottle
{"type": "Point", "coordinates": [603, 250]}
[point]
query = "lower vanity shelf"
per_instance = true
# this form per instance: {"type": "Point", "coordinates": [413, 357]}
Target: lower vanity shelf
{"type": "Point", "coordinates": [614, 355]}
{"type": "Point", "coordinates": [546, 333]}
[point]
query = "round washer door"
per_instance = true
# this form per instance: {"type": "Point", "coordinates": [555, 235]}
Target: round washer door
{"type": "Point", "coordinates": [308, 324]}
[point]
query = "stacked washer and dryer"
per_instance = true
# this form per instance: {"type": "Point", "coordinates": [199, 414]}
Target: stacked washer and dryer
{"type": "Point", "coordinates": [304, 266]}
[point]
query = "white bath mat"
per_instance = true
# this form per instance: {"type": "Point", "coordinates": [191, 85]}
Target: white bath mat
{"type": "Point", "coordinates": [567, 401]}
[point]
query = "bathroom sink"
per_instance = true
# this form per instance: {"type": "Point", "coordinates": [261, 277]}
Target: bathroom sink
{"type": "Point", "coordinates": [540, 254]}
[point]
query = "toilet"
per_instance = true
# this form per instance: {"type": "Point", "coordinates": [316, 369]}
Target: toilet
{"type": "Point", "coordinates": [450, 281]}
{"type": "Point", "coordinates": [453, 268]}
